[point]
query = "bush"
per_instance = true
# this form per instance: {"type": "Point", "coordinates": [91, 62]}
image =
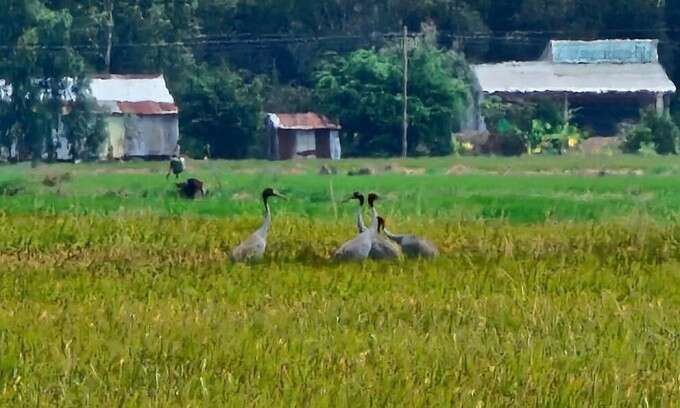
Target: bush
{"type": "Point", "coordinates": [526, 126]}
{"type": "Point", "coordinates": [657, 130]}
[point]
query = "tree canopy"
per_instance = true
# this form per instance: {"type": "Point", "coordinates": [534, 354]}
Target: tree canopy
{"type": "Point", "coordinates": [224, 58]}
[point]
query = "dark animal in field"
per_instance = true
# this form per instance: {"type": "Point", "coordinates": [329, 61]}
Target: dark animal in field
{"type": "Point", "coordinates": [253, 247]}
{"type": "Point", "coordinates": [191, 188]}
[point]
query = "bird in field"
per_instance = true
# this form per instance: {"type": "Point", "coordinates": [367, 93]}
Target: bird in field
{"type": "Point", "coordinates": [361, 227]}
{"type": "Point", "coordinates": [177, 166]}
{"type": "Point", "coordinates": [254, 246]}
{"type": "Point", "coordinates": [381, 248]}
{"type": "Point", "coordinates": [413, 246]}
{"type": "Point", "coordinates": [358, 248]}
{"type": "Point", "coordinates": [191, 188]}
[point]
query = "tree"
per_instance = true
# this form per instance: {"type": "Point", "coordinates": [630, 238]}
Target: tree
{"type": "Point", "coordinates": [221, 108]}
{"type": "Point", "coordinates": [85, 129]}
{"type": "Point", "coordinates": [36, 68]}
{"type": "Point", "coordinates": [364, 91]}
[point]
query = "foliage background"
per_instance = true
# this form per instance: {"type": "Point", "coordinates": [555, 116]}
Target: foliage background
{"type": "Point", "coordinates": [236, 58]}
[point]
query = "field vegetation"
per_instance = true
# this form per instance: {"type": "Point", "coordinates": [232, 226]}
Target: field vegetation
{"type": "Point", "coordinates": [559, 285]}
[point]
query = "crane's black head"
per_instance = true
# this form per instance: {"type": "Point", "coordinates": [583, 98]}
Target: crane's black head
{"type": "Point", "coordinates": [270, 192]}
{"type": "Point", "coordinates": [381, 224]}
{"type": "Point", "coordinates": [371, 198]}
{"type": "Point", "coordinates": [356, 196]}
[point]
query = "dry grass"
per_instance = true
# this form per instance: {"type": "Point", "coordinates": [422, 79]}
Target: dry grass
{"type": "Point", "coordinates": [148, 311]}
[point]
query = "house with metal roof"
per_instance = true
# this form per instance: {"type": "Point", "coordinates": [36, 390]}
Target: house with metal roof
{"type": "Point", "coordinates": [302, 135]}
{"type": "Point", "coordinates": [139, 110]}
{"type": "Point", "coordinates": [141, 116]}
{"type": "Point", "coordinates": [607, 80]}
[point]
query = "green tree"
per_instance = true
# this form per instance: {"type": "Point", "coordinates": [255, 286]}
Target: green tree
{"type": "Point", "coordinates": [364, 91]}
{"type": "Point", "coordinates": [36, 68]}
{"type": "Point", "coordinates": [221, 108]}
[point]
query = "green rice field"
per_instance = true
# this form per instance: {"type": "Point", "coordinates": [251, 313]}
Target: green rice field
{"type": "Point", "coordinates": [558, 284]}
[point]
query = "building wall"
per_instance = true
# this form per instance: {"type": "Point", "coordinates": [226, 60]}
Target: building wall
{"type": "Point", "coordinates": [323, 144]}
{"type": "Point", "coordinates": [287, 144]}
{"type": "Point", "coordinates": [116, 137]}
{"type": "Point", "coordinates": [289, 148]}
{"type": "Point", "coordinates": [150, 135]}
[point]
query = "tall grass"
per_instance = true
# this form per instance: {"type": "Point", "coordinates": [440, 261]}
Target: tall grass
{"type": "Point", "coordinates": [147, 310]}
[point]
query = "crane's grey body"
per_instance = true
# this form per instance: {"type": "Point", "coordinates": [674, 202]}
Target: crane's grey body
{"type": "Point", "coordinates": [253, 248]}
{"type": "Point", "coordinates": [414, 246]}
{"type": "Point", "coordinates": [381, 248]}
{"type": "Point", "coordinates": [359, 248]}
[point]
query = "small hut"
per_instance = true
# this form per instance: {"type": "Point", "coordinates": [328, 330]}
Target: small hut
{"type": "Point", "coordinates": [141, 115]}
{"type": "Point", "coordinates": [302, 135]}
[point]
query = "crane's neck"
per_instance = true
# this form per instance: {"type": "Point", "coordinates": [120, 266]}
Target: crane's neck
{"type": "Point", "coordinates": [374, 215]}
{"type": "Point", "coordinates": [360, 218]}
{"type": "Point", "coordinates": [375, 225]}
{"type": "Point", "coordinates": [267, 222]}
{"type": "Point", "coordinates": [393, 237]}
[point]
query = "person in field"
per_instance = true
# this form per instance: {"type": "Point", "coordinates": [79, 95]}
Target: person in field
{"type": "Point", "coordinates": [177, 166]}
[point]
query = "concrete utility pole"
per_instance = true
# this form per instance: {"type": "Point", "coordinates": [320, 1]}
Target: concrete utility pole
{"type": "Point", "coordinates": [404, 136]}
{"type": "Point", "coordinates": [109, 36]}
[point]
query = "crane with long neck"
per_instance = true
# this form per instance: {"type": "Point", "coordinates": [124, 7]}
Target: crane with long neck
{"type": "Point", "coordinates": [254, 247]}
{"type": "Point", "coordinates": [359, 248]}
{"type": "Point", "coordinates": [361, 227]}
{"type": "Point", "coordinates": [381, 248]}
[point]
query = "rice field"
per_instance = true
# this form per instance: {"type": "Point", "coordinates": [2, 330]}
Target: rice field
{"type": "Point", "coordinates": [114, 292]}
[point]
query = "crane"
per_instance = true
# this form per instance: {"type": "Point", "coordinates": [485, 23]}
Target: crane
{"type": "Point", "coordinates": [381, 248]}
{"type": "Point", "coordinates": [254, 246]}
{"type": "Point", "coordinates": [359, 248]}
{"type": "Point", "coordinates": [361, 227]}
{"type": "Point", "coordinates": [414, 246]}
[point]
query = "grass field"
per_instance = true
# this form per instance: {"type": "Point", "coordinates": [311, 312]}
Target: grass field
{"type": "Point", "coordinates": [535, 189]}
{"type": "Point", "coordinates": [559, 285]}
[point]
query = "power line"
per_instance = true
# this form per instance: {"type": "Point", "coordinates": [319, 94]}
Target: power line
{"type": "Point", "coordinates": [272, 39]}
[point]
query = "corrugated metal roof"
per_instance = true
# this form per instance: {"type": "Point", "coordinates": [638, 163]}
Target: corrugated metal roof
{"type": "Point", "coordinates": [602, 52]}
{"type": "Point", "coordinates": [147, 108]}
{"type": "Point", "coordinates": [542, 76]}
{"type": "Point", "coordinates": [301, 121]}
{"type": "Point", "coordinates": [131, 88]}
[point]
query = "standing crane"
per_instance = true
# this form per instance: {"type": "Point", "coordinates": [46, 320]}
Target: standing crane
{"type": "Point", "coordinates": [381, 248]}
{"type": "Point", "coordinates": [361, 227]}
{"type": "Point", "coordinates": [177, 166]}
{"type": "Point", "coordinates": [359, 248]}
{"type": "Point", "coordinates": [254, 246]}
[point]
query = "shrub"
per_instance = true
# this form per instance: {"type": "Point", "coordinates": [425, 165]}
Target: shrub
{"type": "Point", "coordinates": [657, 130]}
{"type": "Point", "coordinates": [525, 126]}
